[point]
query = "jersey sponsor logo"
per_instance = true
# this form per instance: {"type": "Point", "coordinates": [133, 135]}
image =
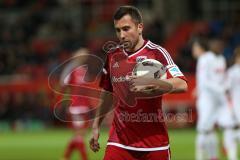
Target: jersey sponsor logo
{"type": "Point", "coordinates": [115, 65]}
{"type": "Point", "coordinates": [120, 79]}
{"type": "Point", "coordinates": [140, 58]}
{"type": "Point", "coordinates": [175, 72]}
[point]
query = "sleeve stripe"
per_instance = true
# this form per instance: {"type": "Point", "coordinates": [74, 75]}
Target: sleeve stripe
{"type": "Point", "coordinates": [164, 50]}
{"type": "Point", "coordinates": [165, 54]}
{"type": "Point", "coordinates": [161, 52]}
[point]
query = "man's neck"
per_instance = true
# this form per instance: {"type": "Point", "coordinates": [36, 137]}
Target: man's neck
{"type": "Point", "coordinates": [138, 45]}
{"type": "Point", "coordinates": [201, 54]}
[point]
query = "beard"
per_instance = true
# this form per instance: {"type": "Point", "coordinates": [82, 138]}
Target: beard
{"type": "Point", "coordinates": [129, 45]}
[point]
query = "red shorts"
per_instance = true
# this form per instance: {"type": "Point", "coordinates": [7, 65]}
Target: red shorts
{"type": "Point", "coordinates": [79, 121]}
{"type": "Point", "coordinates": [117, 153]}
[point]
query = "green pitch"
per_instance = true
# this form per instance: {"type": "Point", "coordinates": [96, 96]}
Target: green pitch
{"type": "Point", "coordinates": [50, 144]}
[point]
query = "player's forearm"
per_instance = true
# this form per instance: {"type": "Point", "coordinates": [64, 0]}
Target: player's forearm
{"type": "Point", "coordinates": [97, 122]}
{"type": "Point", "coordinates": [98, 118]}
{"type": "Point", "coordinates": [178, 85]}
{"type": "Point", "coordinates": [105, 107]}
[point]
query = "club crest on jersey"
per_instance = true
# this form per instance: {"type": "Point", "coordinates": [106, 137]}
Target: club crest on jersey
{"type": "Point", "coordinates": [140, 58]}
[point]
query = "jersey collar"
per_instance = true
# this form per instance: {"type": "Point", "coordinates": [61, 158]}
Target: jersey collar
{"type": "Point", "coordinates": [130, 54]}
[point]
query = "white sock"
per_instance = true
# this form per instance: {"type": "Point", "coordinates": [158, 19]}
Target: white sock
{"type": "Point", "coordinates": [238, 134]}
{"type": "Point", "coordinates": [200, 146]}
{"type": "Point", "coordinates": [206, 146]}
{"type": "Point", "coordinates": [212, 145]}
{"type": "Point", "coordinates": [230, 144]}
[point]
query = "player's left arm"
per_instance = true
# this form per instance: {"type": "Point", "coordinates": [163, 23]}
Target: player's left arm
{"type": "Point", "coordinates": [170, 85]}
{"type": "Point", "coordinates": [178, 85]}
{"type": "Point", "coordinates": [175, 77]}
{"type": "Point", "coordinates": [175, 81]}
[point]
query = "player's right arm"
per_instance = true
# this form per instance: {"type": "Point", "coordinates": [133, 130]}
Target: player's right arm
{"type": "Point", "coordinates": [230, 78]}
{"type": "Point", "coordinates": [105, 107]}
{"type": "Point", "coordinates": [229, 84]}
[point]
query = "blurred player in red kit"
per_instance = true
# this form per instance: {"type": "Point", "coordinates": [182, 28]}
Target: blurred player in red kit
{"type": "Point", "coordinates": [73, 74]}
{"type": "Point", "coordinates": [138, 130]}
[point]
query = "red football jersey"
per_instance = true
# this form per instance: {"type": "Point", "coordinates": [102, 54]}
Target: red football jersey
{"type": "Point", "coordinates": [76, 77]}
{"type": "Point", "coordinates": [138, 122]}
{"type": "Point", "coordinates": [79, 104]}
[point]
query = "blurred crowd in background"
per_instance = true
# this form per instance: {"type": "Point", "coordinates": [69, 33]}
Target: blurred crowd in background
{"type": "Point", "coordinates": [38, 35]}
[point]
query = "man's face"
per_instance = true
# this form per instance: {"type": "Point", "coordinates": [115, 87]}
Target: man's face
{"type": "Point", "coordinates": [196, 50]}
{"type": "Point", "coordinates": [217, 46]}
{"type": "Point", "coordinates": [128, 31]}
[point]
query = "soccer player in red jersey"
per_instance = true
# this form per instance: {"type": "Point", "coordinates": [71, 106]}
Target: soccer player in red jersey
{"type": "Point", "coordinates": [73, 74]}
{"type": "Point", "coordinates": [138, 130]}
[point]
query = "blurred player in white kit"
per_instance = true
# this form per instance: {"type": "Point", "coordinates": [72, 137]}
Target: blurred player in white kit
{"type": "Point", "coordinates": [211, 98]}
{"type": "Point", "coordinates": [234, 94]}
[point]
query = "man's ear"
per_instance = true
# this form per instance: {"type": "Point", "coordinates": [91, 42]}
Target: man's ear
{"type": "Point", "coordinates": [140, 28]}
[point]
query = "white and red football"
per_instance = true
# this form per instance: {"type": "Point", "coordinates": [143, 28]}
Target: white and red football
{"type": "Point", "coordinates": [150, 68]}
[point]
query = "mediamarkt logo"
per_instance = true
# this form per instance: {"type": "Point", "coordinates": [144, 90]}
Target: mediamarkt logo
{"type": "Point", "coordinates": [120, 79]}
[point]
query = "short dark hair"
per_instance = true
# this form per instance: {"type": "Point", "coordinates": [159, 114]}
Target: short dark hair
{"type": "Point", "coordinates": [203, 42]}
{"type": "Point", "coordinates": [128, 10]}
